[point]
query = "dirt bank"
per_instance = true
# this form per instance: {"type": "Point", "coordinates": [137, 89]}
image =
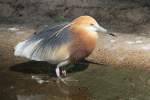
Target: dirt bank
{"type": "Point", "coordinates": [130, 16]}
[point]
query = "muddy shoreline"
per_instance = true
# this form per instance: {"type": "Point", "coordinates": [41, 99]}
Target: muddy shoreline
{"type": "Point", "coordinates": [22, 79]}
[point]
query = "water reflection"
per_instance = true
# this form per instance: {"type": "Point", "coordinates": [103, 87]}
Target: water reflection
{"type": "Point", "coordinates": [59, 93]}
{"type": "Point", "coordinates": [19, 86]}
{"type": "Point", "coordinates": [31, 97]}
{"type": "Point", "coordinates": [13, 88]}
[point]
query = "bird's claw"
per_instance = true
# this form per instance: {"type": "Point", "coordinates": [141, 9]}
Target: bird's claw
{"type": "Point", "coordinates": [62, 80]}
{"type": "Point", "coordinates": [66, 80]}
{"type": "Point", "coordinates": [64, 73]}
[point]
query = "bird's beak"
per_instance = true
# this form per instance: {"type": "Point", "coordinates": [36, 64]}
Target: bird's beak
{"type": "Point", "coordinates": [103, 30]}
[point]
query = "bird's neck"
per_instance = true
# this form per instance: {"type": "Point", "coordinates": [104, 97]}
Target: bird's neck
{"type": "Point", "coordinates": [82, 31]}
{"type": "Point", "coordinates": [87, 38]}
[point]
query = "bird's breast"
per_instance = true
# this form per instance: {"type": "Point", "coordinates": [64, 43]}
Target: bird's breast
{"type": "Point", "coordinates": [82, 45]}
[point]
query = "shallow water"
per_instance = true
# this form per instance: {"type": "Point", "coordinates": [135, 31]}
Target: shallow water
{"type": "Point", "coordinates": [23, 87]}
{"type": "Point", "coordinates": [96, 82]}
{"type": "Point", "coordinates": [21, 79]}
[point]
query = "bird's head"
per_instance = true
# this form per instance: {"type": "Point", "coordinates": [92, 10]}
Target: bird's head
{"type": "Point", "coordinates": [90, 25]}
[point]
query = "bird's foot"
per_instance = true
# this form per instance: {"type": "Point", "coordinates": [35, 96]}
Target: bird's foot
{"type": "Point", "coordinates": [60, 79]}
{"type": "Point", "coordinates": [66, 80]}
{"type": "Point", "coordinates": [64, 73]}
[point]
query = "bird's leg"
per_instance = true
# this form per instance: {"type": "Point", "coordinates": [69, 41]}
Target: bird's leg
{"type": "Point", "coordinates": [58, 73]}
{"type": "Point", "coordinates": [58, 70]}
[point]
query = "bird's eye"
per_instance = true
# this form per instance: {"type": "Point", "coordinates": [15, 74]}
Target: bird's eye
{"type": "Point", "coordinates": [92, 24]}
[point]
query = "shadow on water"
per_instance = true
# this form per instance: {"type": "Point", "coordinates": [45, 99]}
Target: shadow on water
{"type": "Point", "coordinates": [34, 67]}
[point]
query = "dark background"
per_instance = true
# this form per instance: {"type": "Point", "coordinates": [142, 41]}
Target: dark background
{"type": "Point", "coordinates": [116, 15]}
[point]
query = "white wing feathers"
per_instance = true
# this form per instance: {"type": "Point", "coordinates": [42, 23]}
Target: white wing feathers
{"type": "Point", "coordinates": [26, 51]}
{"type": "Point", "coordinates": [45, 45]}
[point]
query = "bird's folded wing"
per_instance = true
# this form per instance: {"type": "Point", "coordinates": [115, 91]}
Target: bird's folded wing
{"type": "Point", "coordinates": [48, 45]}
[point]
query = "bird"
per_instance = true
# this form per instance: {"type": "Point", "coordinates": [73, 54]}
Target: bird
{"type": "Point", "coordinates": [62, 44]}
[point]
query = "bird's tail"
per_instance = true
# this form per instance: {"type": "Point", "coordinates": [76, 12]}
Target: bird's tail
{"type": "Point", "coordinates": [26, 49]}
{"type": "Point", "coordinates": [19, 48]}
